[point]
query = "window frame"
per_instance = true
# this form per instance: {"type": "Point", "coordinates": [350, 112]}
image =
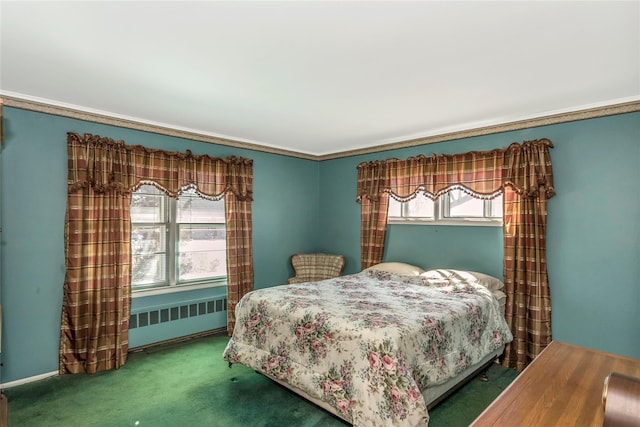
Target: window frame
{"type": "Point", "coordinates": [442, 213]}
{"type": "Point", "coordinates": [171, 225]}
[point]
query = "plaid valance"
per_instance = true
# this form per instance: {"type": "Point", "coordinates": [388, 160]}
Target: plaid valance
{"type": "Point", "coordinates": [525, 167]}
{"type": "Point", "coordinates": [108, 165]}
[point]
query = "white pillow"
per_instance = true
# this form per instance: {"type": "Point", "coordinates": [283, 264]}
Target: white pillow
{"type": "Point", "coordinates": [396, 268]}
{"type": "Point", "coordinates": [489, 282]}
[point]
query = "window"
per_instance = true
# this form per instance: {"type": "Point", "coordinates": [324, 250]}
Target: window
{"type": "Point", "coordinates": [454, 208]}
{"type": "Point", "coordinates": [176, 242]}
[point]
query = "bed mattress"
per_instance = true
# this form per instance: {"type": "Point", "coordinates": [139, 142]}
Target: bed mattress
{"type": "Point", "coordinates": [367, 346]}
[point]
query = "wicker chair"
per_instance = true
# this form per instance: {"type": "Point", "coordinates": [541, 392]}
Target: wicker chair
{"type": "Point", "coordinates": [314, 267]}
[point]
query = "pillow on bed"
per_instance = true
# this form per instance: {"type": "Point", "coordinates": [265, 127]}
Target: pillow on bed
{"type": "Point", "coordinates": [489, 282]}
{"type": "Point", "coordinates": [396, 268]}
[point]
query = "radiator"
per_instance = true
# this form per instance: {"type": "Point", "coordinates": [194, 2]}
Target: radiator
{"type": "Point", "coordinates": [156, 315]}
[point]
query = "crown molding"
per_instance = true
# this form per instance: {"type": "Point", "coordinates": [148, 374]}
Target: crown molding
{"type": "Point", "coordinates": [74, 113]}
{"type": "Point", "coordinates": [552, 119]}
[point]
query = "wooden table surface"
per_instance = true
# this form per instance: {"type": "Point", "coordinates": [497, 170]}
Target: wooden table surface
{"type": "Point", "coordinates": [561, 387]}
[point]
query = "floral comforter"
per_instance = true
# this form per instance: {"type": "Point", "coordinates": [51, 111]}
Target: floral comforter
{"type": "Point", "coordinates": [367, 343]}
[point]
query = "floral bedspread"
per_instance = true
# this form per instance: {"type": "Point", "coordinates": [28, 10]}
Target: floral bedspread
{"type": "Point", "coordinates": [367, 343]}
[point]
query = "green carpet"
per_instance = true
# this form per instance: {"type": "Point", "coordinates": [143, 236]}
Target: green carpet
{"type": "Point", "coordinates": [190, 385]}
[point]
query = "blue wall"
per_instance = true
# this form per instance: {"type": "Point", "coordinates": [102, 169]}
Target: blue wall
{"type": "Point", "coordinates": [33, 203]}
{"type": "Point", "coordinates": [301, 205]}
{"type": "Point", "coordinates": [593, 236]}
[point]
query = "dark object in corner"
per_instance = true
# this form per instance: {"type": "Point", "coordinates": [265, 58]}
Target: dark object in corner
{"type": "Point", "coordinates": [621, 400]}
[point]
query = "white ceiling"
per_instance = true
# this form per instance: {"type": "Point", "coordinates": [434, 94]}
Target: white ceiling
{"type": "Point", "coordinates": [322, 77]}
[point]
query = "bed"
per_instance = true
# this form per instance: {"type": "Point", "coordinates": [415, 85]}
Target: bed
{"type": "Point", "coordinates": [375, 348]}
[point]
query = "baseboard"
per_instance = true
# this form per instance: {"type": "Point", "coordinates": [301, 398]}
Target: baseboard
{"type": "Point", "coordinates": [149, 347]}
{"type": "Point", "coordinates": [28, 380]}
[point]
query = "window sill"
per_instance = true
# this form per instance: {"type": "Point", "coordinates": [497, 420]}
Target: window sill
{"type": "Point", "coordinates": [459, 223]}
{"type": "Point", "coordinates": [173, 289]}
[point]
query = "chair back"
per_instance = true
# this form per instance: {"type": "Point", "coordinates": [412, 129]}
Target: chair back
{"type": "Point", "coordinates": [314, 267]}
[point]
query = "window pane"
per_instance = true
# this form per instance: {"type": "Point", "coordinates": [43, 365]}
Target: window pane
{"type": "Point", "coordinates": [148, 269]}
{"type": "Point", "coordinates": [148, 205]}
{"type": "Point", "coordinates": [496, 207]}
{"type": "Point", "coordinates": [395, 207]}
{"type": "Point", "coordinates": [201, 252]}
{"type": "Point", "coordinates": [194, 209]}
{"type": "Point", "coordinates": [148, 239]}
{"type": "Point", "coordinates": [148, 253]}
{"type": "Point", "coordinates": [420, 206]}
{"type": "Point", "coordinates": [205, 236]}
{"type": "Point", "coordinates": [462, 204]}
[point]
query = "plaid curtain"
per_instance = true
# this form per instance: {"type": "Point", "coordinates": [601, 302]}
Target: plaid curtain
{"type": "Point", "coordinates": [373, 177]}
{"type": "Point", "coordinates": [97, 294]}
{"type": "Point", "coordinates": [239, 254]}
{"type": "Point", "coordinates": [373, 215]}
{"type": "Point", "coordinates": [523, 172]}
{"type": "Point", "coordinates": [97, 288]}
{"type": "Point", "coordinates": [528, 181]}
